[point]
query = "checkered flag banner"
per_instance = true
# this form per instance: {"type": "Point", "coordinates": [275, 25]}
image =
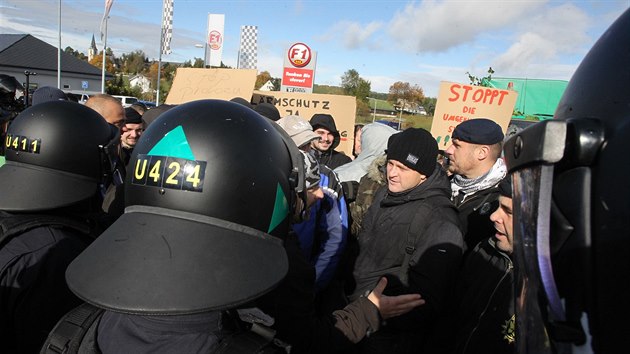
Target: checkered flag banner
{"type": "Point", "coordinates": [248, 52]}
{"type": "Point", "coordinates": [167, 26]}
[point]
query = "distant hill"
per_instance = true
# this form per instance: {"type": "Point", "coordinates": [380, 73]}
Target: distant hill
{"type": "Point", "coordinates": [328, 90]}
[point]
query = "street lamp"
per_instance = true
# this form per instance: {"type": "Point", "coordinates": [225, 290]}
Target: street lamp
{"type": "Point", "coordinates": [205, 51]}
{"type": "Point", "coordinates": [373, 115]}
{"type": "Point", "coordinates": [27, 74]}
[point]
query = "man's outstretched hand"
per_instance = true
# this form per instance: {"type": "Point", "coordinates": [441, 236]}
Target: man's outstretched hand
{"type": "Point", "coordinates": [392, 306]}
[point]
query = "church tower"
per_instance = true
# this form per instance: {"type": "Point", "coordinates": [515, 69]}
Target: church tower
{"type": "Point", "coordinates": [92, 51]}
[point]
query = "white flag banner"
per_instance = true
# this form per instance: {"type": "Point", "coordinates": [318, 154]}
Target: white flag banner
{"type": "Point", "coordinates": [214, 40]}
{"type": "Point", "coordinates": [167, 26]}
{"type": "Point", "coordinates": [108, 7]}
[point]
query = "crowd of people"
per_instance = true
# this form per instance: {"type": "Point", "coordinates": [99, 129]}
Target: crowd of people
{"type": "Point", "coordinates": [206, 233]}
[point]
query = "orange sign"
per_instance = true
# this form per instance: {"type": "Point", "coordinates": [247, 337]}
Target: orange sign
{"type": "Point", "coordinates": [459, 102]}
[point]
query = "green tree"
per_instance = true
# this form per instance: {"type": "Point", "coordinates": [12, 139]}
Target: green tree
{"type": "Point", "coordinates": [483, 81]}
{"type": "Point", "coordinates": [75, 53]}
{"type": "Point", "coordinates": [199, 63]}
{"type": "Point", "coordinates": [354, 85]}
{"type": "Point", "coordinates": [134, 62]}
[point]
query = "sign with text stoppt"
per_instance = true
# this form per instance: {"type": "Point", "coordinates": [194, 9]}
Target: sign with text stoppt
{"type": "Point", "coordinates": [341, 108]}
{"type": "Point", "coordinates": [459, 102]}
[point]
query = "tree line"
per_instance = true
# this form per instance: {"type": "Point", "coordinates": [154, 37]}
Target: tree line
{"type": "Point", "coordinates": [402, 95]}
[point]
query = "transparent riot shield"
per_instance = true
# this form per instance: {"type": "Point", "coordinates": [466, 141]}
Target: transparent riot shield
{"type": "Point", "coordinates": [531, 155]}
{"type": "Point", "coordinates": [552, 230]}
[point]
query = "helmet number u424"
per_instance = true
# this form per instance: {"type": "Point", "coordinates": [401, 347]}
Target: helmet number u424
{"type": "Point", "coordinates": [169, 172]}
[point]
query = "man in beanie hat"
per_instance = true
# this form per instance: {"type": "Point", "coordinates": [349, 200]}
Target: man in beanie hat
{"type": "Point", "coordinates": [411, 235]}
{"type": "Point", "coordinates": [477, 167]}
{"type": "Point", "coordinates": [130, 132]}
{"type": "Point", "coordinates": [324, 148]}
{"type": "Point", "coordinates": [483, 318]}
{"type": "Point", "coordinates": [267, 110]}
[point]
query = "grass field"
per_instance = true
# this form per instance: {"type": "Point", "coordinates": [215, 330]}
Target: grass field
{"type": "Point", "coordinates": [408, 120]}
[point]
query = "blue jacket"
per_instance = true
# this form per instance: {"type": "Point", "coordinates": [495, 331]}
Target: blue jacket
{"type": "Point", "coordinates": [323, 236]}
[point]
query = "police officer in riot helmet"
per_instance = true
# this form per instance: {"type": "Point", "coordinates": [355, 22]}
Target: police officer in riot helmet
{"type": "Point", "coordinates": [210, 194]}
{"type": "Point", "coordinates": [197, 235]}
{"type": "Point", "coordinates": [9, 106]}
{"type": "Point", "coordinates": [571, 208]}
{"type": "Point", "coordinates": [50, 195]}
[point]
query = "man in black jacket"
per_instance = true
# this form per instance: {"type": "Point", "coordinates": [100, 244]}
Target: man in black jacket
{"type": "Point", "coordinates": [324, 148]}
{"type": "Point", "coordinates": [191, 253]}
{"type": "Point", "coordinates": [477, 167]}
{"type": "Point", "coordinates": [49, 209]}
{"type": "Point", "coordinates": [411, 235]}
{"type": "Point", "coordinates": [484, 320]}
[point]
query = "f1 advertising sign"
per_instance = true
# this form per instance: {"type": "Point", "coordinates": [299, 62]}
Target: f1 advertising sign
{"type": "Point", "coordinates": [298, 72]}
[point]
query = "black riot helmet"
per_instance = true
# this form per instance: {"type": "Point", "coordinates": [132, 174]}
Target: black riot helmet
{"type": "Point", "coordinates": [572, 208]}
{"type": "Point", "coordinates": [209, 185]}
{"type": "Point", "coordinates": [57, 154]}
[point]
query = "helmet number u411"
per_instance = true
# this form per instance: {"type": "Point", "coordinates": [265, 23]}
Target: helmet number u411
{"type": "Point", "coordinates": [23, 144]}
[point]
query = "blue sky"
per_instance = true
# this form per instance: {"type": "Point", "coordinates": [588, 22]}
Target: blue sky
{"type": "Point", "coordinates": [420, 42]}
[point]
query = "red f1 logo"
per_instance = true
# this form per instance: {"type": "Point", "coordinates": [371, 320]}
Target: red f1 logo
{"type": "Point", "coordinates": [299, 55]}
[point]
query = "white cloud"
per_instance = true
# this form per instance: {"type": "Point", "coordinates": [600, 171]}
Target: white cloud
{"type": "Point", "coordinates": [554, 32]}
{"type": "Point", "coordinates": [353, 35]}
{"type": "Point", "coordinates": [357, 35]}
{"type": "Point", "coordinates": [436, 26]}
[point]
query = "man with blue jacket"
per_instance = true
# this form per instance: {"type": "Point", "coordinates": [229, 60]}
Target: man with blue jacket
{"type": "Point", "coordinates": [323, 234]}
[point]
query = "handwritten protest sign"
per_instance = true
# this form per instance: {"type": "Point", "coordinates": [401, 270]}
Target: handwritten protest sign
{"type": "Point", "coordinates": [342, 108]}
{"type": "Point", "coordinates": [459, 102]}
{"type": "Point", "coordinates": [192, 84]}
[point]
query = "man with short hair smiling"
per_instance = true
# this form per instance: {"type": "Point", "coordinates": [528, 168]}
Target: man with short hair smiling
{"type": "Point", "coordinates": [411, 235]}
{"type": "Point", "coordinates": [324, 148]}
{"type": "Point", "coordinates": [130, 133]}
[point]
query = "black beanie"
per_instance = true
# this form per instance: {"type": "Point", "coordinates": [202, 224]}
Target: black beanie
{"type": "Point", "coordinates": [505, 186]}
{"type": "Point", "coordinates": [132, 116]}
{"type": "Point", "coordinates": [415, 148]}
{"type": "Point", "coordinates": [268, 110]}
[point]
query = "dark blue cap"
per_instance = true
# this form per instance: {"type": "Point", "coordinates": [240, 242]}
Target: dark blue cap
{"type": "Point", "coordinates": [478, 131]}
{"type": "Point", "coordinates": [48, 93]}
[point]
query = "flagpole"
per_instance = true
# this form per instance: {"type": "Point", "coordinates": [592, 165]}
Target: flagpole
{"type": "Point", "coordinates": [157, 95]}
{"type": "Point", "coordinates": [59, 51]}
{"type": "Point", "coordinates": [104, 56]}
{"type": "Point", "coordinates": [159, 68]}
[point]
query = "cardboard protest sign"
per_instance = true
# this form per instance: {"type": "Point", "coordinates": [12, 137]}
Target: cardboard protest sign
{"type": "Point", "coordinates": [341, 108]}
{"type": "Point", "coordinates": [192, 84]}
{"type": "Point", "coordinates": [459, 102]}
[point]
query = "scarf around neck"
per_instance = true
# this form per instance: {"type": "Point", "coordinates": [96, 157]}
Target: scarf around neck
{"type": "Point", "coordinates": [469, 186]}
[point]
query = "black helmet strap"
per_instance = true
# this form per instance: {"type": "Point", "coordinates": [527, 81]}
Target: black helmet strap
{"type": "Point", "coordinates": [110, 160]}
{"type": "Point", "coordinates": [296, 178]}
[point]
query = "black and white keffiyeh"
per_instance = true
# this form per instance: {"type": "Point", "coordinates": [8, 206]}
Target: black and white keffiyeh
{"type": "Point", "coordinates": [469, 186]}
